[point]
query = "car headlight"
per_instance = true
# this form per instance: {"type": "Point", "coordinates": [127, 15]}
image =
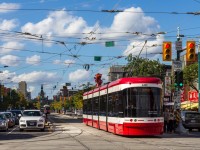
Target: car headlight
{"type": "Point", "coordinates": [2, 123]}
{"type": "Point", "coordinates": [22, 120]}
{"type": "Point", "coordinates": [41, 120]}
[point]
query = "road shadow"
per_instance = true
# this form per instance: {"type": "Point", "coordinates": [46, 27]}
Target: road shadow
{"type": "Point", "coordinates": [60, 118]}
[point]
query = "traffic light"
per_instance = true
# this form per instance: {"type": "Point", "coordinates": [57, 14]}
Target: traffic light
{"type": "Point", "coordinates": [179, 79]}
{"type": "Point", "coordinates": [167, 51]}
{"type": "Point", "coordinates": [98, 79]}
{"type": "Point", "coordinates": [190, 51]}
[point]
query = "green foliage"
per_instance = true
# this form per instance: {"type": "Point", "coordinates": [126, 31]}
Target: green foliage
{"type": "Point", "coordinates": [144, 67]}
{"type": "Point", "coordinates": [190, 75]}
{"type": "Point", "coordinates": [56, 105]}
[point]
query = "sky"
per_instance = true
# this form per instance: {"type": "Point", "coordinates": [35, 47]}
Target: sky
{"type": "Point", "coordinates": [54, 42]}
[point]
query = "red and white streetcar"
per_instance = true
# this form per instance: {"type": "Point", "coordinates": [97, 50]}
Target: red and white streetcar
{"type": "Point", "coordinates": [127, 106]}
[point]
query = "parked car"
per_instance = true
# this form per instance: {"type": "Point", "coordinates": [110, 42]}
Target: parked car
{"type": "Point", "coordinates": [191, 120]}
{"type": "Point", "coordinates": [16, 115]}
{"type": "Point", "coordinates": [3, 122]}
{"type": "Point", "coordinates": [11, 119]}
{"type": "Point", "coordinates": [32, 119]}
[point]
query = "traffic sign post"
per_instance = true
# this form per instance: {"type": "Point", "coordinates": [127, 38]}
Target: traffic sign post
{"type": "Point", "coordinates": [177, 64]}
{"type": "Point", "coordinates": [180, 129]}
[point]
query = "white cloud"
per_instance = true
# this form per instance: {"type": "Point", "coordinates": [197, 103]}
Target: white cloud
{"type": "Point", "coordinates": [7, 76]}
{"type": "Point", "coordinates": [8, 24]}
{"type": "Point", "coordinates": [63, 23]}
{"type": "Point", "coordinates": [151, 48]}
{"type": "Point", "coordinates": [37, 77]}
{"type": "Point", "coordinates": [134, 22]}
{"type": "Point", "coordinates": [31, 88]}
{"type": "Point", "coordinates": [56, 62]}
{"type": "Point", "coordinates": [10, 46]}
{"type": "Point", "coordinates": [34, 60]}
{"type": "Point", "coordinates": [68, 62]}
{"type": "Point", "coordinates": [59, 22]}
{"type": "Point", "coordinates": [6, 6]}
{"type": "Point", "coordinates": [79, 75]}
{"type": "Point", "coordinates": [9, 60]}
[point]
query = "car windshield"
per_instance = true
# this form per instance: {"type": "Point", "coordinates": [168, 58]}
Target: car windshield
{"type": "Point", "coordinates": [16, 112]}
{"type": "Point", "coordinates": [31, 113]}
{"type": "Point", "coordinates": [192, 115]}
{"type": "Point", "coordinates": [8, 115]}
{"type": "Point", "coordinates": [1, 116]}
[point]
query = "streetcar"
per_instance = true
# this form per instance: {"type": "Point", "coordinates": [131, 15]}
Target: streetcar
{"type": "Point", "coordinates": [131, 106]}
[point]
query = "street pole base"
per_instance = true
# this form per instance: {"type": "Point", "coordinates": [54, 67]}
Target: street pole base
{"type": "Point", "coordinates": [180, 129]}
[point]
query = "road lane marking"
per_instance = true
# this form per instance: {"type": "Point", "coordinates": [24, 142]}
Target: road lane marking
{"type": "Point", "coordinates": [12, 130]}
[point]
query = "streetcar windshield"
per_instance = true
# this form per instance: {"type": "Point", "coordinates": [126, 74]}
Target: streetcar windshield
{"type": "Point", "coordinates": [143, 102]}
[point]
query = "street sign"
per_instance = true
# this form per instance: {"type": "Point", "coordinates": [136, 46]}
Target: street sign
{"type": "Point", "coordinates": [167, 85]}
{"type": "Point", "coordinates": [110, 43]}
{"type": "Point", "coordinates": [178, 45]}
{"type": "Point", "coordinates": [193, 96]}
{"type": "Point", "coordinates": [177, 65]}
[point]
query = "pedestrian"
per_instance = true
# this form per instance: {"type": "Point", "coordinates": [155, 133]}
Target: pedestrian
{"type": "Point", "coordinates": [171, 121]}
{"type": "Point", "coordinates": [166, 120]}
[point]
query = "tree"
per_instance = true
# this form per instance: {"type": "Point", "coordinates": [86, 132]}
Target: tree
{"type": "Point", "coordinates": [144, 67]}
{"type": "Point", "coordinates": [190, 75]}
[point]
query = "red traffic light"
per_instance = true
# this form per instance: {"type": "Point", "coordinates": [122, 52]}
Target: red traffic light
{"type": "Point", "coordinates": [167, 45]}
{"type": "Point", "coordinates": [191, 45]}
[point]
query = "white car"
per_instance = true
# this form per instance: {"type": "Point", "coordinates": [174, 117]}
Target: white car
{"type": "Point", "coordinates": [32, 119]}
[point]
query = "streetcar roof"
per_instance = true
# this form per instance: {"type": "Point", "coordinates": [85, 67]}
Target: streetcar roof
{"type": "Point", "coordinates": [127, 80]}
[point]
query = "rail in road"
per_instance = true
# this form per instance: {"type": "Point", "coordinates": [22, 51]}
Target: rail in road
{"type": "Point", "coordinates": [65, 132]}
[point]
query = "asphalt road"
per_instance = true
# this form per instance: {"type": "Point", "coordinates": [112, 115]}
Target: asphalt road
{"type": "Point", "coordinates": [68, 133]}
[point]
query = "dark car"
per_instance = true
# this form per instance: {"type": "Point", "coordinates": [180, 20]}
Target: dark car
{"type": "Point", "coordinates": [191, 120]}
{"type": "Point", "coordinates": [11, 119]}
{"type": "Point", "coordinates": [16, 115]}
{"type": "Point", "coordinates": [3, 122]}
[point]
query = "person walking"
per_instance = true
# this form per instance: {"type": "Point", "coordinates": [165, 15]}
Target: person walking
{"type": "Point", "coordinates": [171, 121]}
{"type": "Point", "coordinates": [166, 120]}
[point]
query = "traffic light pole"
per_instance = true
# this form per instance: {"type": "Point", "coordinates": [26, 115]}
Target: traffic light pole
{"type": "Point", "coordinates": [180, 129]}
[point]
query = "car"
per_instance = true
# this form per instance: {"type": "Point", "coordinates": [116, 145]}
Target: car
{"type": "Point", "coordinates": [11, 119]}
{"type": "Point", "coordinates": [16, 115]}
{"type": "Point", "coordinates": [3, 122]}
{"type": "Point", "coordinates": [32, 119]}
{"type": "Point", "coordinates": [190, 120]}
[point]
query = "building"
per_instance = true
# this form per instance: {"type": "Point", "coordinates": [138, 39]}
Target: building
{"type": "Point", "coordinates": [23, 88]}
{"type": "Point", "coordinates": [115, 72]}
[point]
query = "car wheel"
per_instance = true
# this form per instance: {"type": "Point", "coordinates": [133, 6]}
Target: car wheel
{"type": "Point", "coordinates": [21, 129]}
{"type": "Point", "coordinates": [42, 129]}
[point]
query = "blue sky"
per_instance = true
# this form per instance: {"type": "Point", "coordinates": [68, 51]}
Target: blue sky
{"type": "Point", "coordinates": [50, 41]}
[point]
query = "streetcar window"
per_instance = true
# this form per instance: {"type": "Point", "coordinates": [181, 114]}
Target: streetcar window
{"type": "Point", "coordinates": [103, 105]}
{"type": "Point", "coordinates": [142, 102]}
{"type": "Point", "coordinates": [84, 106]}
{"type": "Point", "coordinates": [89, 106]}
{"type": "Point", "coordinates": [95, 106]}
